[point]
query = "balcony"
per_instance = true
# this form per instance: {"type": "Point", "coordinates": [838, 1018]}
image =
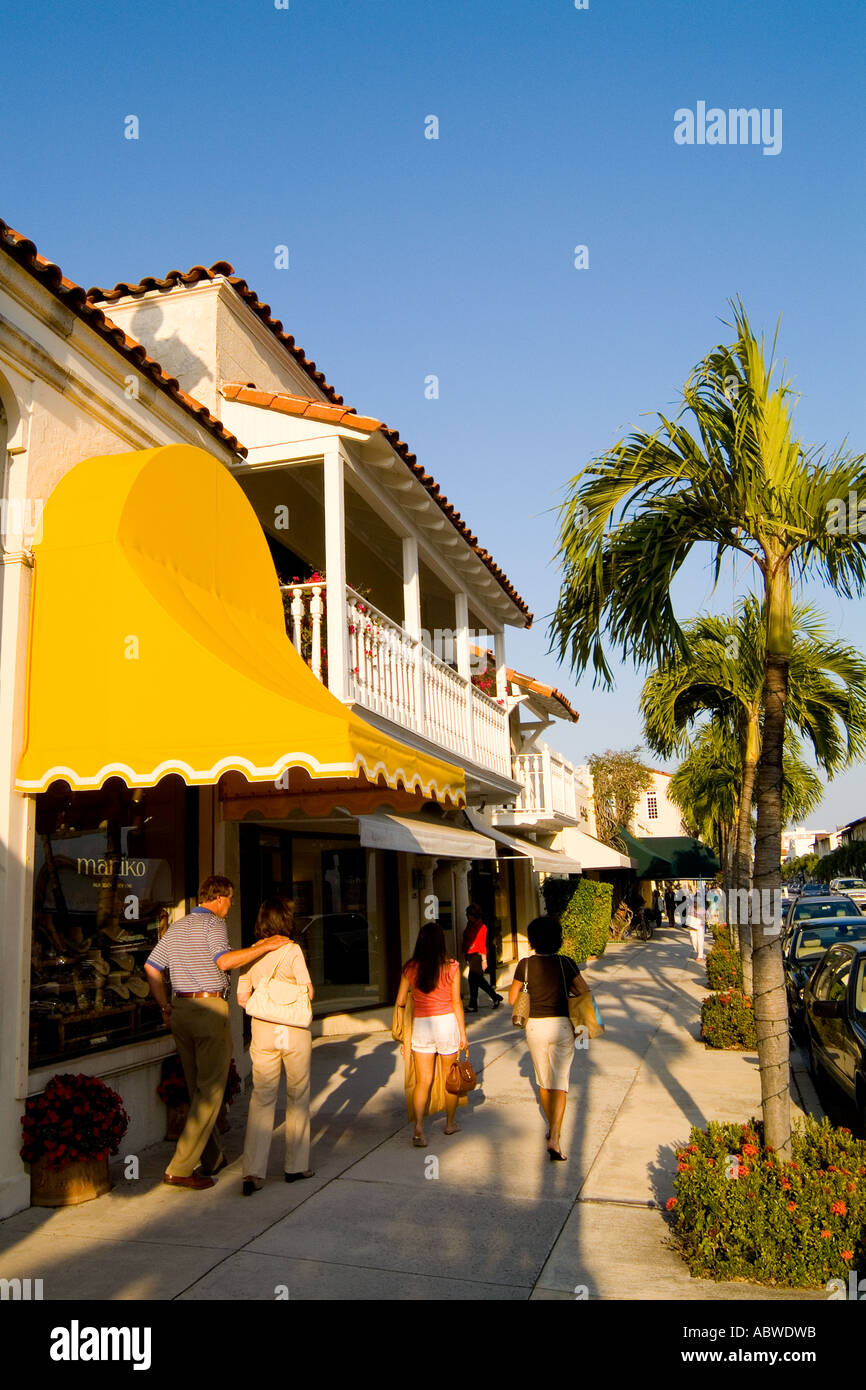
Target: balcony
{"type": "Point", "coordinates": [553, 792]}
{"type": "Point", "coordinates": [396, 677]}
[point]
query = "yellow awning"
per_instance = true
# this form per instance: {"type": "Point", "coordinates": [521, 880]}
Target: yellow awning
{"type": "Point", "coordinates": [158, 642]}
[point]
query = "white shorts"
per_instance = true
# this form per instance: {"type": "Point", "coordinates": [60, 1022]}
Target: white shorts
{"type": "Point", "coordinates": [551, 1047]}
{"type": "Point", "coordinates": [440, 1033]}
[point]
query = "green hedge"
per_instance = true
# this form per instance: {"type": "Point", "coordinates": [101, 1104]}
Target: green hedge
{"type": "Point", "coordinates": [728, 1020]}
{"type": "Point", "coordinates": [584, 912]}
{"type": "Point", "coordinates": [741, 1212]}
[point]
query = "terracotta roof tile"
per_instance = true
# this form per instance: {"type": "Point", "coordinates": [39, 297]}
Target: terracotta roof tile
{"type": "Point", "coordinates": [300, 406]}
{"type": "Point", "coordinates": [248, 394]}
{"type": "Point", "coordinates": [77, 300]}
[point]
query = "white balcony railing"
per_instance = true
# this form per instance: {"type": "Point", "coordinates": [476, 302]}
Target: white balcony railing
{"type": "Point", "coordinates": [551, 785]}
{"type": "Point", "coordinates": [394, 675]}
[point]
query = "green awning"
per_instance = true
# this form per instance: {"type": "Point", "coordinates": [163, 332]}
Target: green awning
{"type": "Point", "coordinates": [670, 856]}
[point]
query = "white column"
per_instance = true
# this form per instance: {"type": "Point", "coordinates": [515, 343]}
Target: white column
{"type": "Point", "coordinates": [461, 616]}
{"type": "Point", "coordinates": [461, 898]}
{"type": "Point", "coordinates": [501, 665]}
{"type": "Point", "coordinates": [412, 621]}
{"type": "Point", "coordinates": [17, 829]}
{"type": "Point", "coordinates": [335, 569]}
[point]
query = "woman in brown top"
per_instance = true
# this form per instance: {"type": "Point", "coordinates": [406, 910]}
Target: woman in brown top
{"type": "Point", "coordinates": [549, 1032]}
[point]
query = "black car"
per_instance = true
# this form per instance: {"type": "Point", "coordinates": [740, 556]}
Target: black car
{"type": "Point", "coordinates": [803, 949]}
{"type": "Point", "coordinates": [819, 907]}
{"type": "Point", "coordinates": [835, 1013]}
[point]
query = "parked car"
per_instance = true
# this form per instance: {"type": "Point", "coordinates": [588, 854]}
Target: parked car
{"type": "Point", "coordinates": [835, 1015]}
{"type": "Point", "coordinates": [803, 951]}
{"type": "Point", "coordinates": [814, 888]}
{"type": "Point", "coordinates": [852, 887]}
{"type": "Point", "coordinates": [815, 909]}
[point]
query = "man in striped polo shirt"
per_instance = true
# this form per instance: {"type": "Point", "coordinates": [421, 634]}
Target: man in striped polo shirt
{"type": "Point", "coordinates": [195, 950]}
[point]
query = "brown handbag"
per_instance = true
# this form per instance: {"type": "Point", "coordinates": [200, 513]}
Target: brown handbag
{"type": "Point", "coordinates": [461, 1078]}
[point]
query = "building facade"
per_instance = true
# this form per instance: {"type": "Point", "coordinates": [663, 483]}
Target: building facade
{"type": "Point", "coordinates": [238, 625]}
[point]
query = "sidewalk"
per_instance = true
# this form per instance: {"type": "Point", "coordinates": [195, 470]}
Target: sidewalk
{"type": "Point", "coordinates": [480, 1215]}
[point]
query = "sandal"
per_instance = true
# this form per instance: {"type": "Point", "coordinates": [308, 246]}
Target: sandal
{"type": "Point", "coordinates": [418, 1141]}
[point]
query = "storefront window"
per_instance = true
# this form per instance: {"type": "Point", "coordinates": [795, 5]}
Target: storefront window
{"type": "Point", "coordinates": [336, 894]}
{"type": "Point", "coordinates": [108, 871]}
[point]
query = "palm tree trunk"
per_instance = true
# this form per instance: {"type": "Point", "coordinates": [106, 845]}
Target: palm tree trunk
{"type": "Point", "coordinates": [770, 1001]}
{"type": "Point", "coordinates": [743, 852]}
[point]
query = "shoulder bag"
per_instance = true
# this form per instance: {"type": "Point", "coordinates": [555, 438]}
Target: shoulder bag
{"type": "Point", "coordinates": [520, 1014]}
{"type": "Point", "coordinates": [582, 1010]}
{"type": "Point", "coordinates": [280, 1001]}
{"type": "Point", "coordinates": [461, 1078]}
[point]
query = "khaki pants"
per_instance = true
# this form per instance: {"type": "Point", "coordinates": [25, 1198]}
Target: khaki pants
{"type": "Point", "coordinates": [201, 1032]}
{"type": "Point", "coordinates": [274, 1050]}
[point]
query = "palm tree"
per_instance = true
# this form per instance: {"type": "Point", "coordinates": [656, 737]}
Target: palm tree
{"type": "Point", "coordinates": [722, 673]}
{"type": "Point", "coordinates": [739, 482]}
{"type": "Point", "coordinates": [706, 788]}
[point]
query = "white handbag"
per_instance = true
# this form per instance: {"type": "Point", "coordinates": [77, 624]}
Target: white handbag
{"type": "Point", "coordinates": [280, 1001]}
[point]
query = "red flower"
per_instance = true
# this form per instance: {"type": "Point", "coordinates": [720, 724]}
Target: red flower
{"type": "Point", "coordinates": [786, 1187]}
{"type": "Point", "coordinates": [749, 1149]}
{"type": "Point", "coordinates": [792, 1206]}
{"type": "Point", "coordinates": [839, 1209]}
{"type": "Point", "coordinates": [851, 1186]}
{"type": "Point", "coordinates": [670, 1203]}
{"type": "Point", "coordinates": [826, 1235]}
{"type": "Point", "coordinates": [683, 1168]}
{"type": "Point", "coordinates": [847, 1254]}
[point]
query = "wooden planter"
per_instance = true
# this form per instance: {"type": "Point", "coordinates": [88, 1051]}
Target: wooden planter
{"type": "Point", "coordinates": [66, 1187]}
{"type": "Point", "coordinates": [177, 1119]}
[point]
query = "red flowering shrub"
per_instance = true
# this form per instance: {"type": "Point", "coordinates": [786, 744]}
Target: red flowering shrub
{"type": "Point", "coordinates": [727, 1020]}
{"type": "Point", "coordinates": [724, 967]}
{"type": "Point", "coordinates": [75, 1118]}
{"type": "Point", "coordinates": [796, 1223]}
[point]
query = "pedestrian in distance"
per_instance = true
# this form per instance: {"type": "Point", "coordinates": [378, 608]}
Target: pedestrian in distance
{"type": "Point", "coordinates": [433, 1032]}
{"type": "Point", "coordinates": [656, 909]}
{"type": "Point", "coordinates": [551, 978]}
{"type": "Point", "coordinates": [276, 1049]}
{"type": "Point", "coordinates": [670, 903]}
{"type": "Point", "coordinates": [475, 950]}
{"type": "Point", "coordinates": [196, 952]}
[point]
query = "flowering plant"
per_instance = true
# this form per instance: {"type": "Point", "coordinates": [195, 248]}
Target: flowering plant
{"type": "Point", "coordinates": [75, 1118]}
{"type": "Point", "coordinates": [173, 1090]}
{"type": "Point", "coordinates": [728, 1020]}
{"type": "Point", "coordinates": [743, 1212]}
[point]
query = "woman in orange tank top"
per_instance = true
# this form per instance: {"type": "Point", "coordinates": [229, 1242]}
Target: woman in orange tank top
{"type": "Point", "coordinates": [439, 1029]}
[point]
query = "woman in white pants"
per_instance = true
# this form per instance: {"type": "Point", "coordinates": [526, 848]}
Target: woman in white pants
{"type": "Point", "coordinates": [277, 1048]}
{"type": "Point", "coordinates": [549, 1032]}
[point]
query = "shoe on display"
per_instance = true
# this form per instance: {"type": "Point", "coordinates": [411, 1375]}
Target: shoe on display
{"type": "Point", "coordinates": [137, 986]}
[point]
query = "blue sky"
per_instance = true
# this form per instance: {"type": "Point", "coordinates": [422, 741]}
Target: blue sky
{"type": "Point", "coordinates": [455, 257]}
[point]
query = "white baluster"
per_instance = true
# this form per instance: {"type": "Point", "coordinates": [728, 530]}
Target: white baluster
{"type": "Point", "coordinates": [297, 617]}
{"type": "Point", "coordinates": [317, 608]}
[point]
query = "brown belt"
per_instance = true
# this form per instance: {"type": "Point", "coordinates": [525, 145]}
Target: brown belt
{"type": "Point", "coordinates": [201, 994]}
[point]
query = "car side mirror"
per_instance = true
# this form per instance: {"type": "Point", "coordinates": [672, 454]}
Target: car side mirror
{"type": "Point", "coordinates": [828, 1008]}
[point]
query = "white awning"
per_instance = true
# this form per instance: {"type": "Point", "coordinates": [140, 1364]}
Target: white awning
{"type": "Point", "coordinates": [420, 835]}
{"type": "Point", "coordinates": [545, 861]}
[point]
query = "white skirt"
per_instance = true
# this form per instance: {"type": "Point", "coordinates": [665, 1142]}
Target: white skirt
{"type": "Point", "coordinates": [551, 1047]}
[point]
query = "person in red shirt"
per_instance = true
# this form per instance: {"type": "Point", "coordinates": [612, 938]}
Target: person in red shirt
{"type": "Point", "coordinates": [475, 949]}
